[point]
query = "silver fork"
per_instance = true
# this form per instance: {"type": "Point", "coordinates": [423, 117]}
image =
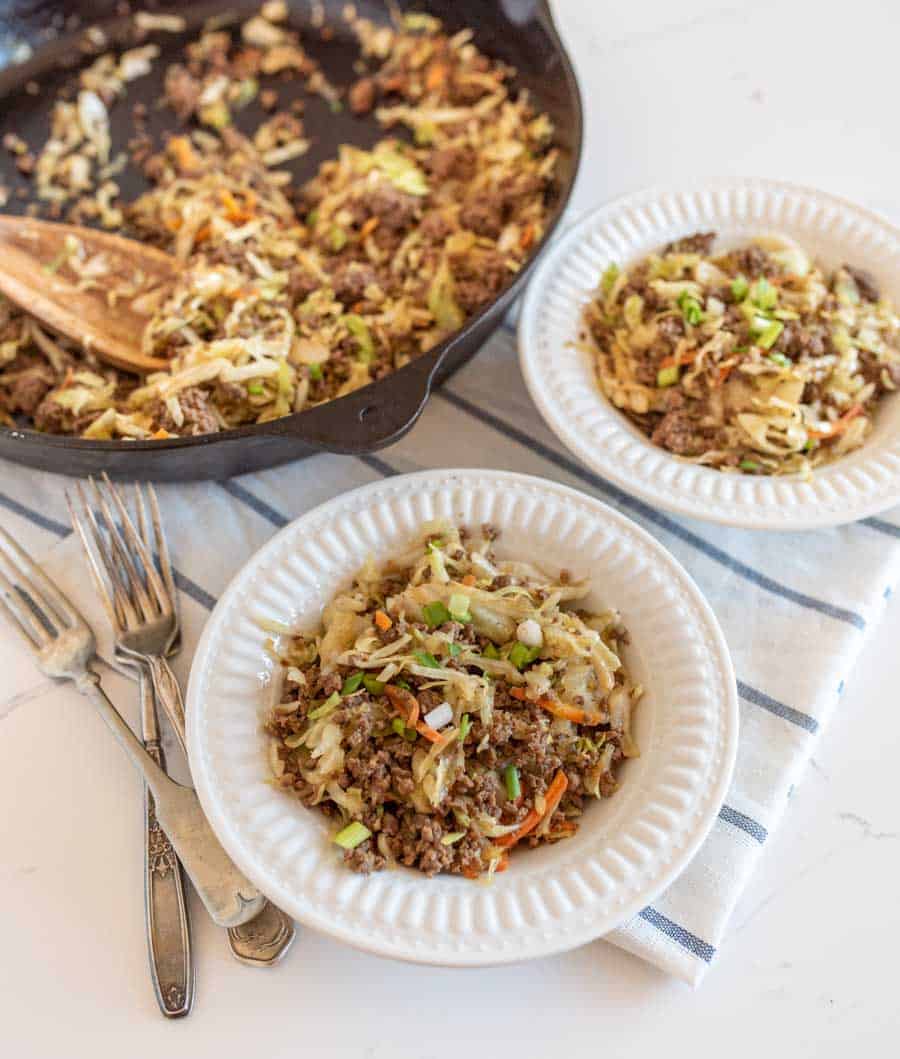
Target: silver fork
{"type": "Point", "coordinates": [64, 647]}
{"type": "Point", "coordinates": [142, 605]}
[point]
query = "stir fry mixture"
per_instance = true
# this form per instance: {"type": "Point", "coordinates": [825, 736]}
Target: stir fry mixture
{"type": "Point", "coordinates": [452, 707]}
{"type": "Point", "coordinates": [753, 360]}
{"type": "Point", "coordinates": [290, 296]}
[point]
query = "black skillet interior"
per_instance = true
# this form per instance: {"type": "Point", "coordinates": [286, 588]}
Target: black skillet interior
{"type": "Point", "coordinates": [520, 32]}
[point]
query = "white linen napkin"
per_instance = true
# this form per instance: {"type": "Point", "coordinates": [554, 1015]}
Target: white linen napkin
{"type": "Point", "coordinates": [795, 608]}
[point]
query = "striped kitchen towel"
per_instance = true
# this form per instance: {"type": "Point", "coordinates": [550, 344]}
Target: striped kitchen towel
{"type": "Point", "coordinates": [814, 593]}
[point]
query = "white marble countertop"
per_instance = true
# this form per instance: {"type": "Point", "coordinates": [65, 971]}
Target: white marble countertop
{"type": "Point", "coordinates": [793, 89]}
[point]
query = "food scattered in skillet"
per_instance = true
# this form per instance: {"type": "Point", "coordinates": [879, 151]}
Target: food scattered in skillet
{"type": "Point", "coordinates": [453, 706]}
{"type": "Point", "coordinates": [291, 296]}
{"type": "Point", "coordinates": [754, 360]}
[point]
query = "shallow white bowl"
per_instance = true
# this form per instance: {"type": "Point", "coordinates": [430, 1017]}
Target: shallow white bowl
{"type": "Point", "coordinates": [629, 848]}
{"type": "Point", "coordinates": [563, 385]}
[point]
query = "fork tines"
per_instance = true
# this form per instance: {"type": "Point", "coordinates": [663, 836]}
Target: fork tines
{"type": "Point", "coordinates": [29, 598]}
{"type": "Point", "coordinates": [123, 557]}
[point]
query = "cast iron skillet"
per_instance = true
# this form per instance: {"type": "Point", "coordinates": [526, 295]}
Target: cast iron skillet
{"type": "Point", "coordinates": [520, 32]}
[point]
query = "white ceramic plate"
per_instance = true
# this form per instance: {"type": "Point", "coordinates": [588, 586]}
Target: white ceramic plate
{"type": "Point", "coordinates": [629, 848]}
{"type": "Point", "coordinates": [561, 377]}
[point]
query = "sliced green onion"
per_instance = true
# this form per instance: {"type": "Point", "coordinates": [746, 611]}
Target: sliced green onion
{"type": "Point", "coordinates": [410, 735]}
{"type": "Point", "coordinates": [763, 294]}
{"type": "Point", "coordinates": [781, 360]}
{"type": "Point", "coordinates": [435, 614]}
{"type": "Point", "coordinates": [453, 836]}
{"type": "Point", "coordinates": [352, 835]}
{"type": "Point", "coordinates": [337, 238]}
{"type": "Point", "coordinates": [315, 372]}
{"type": "Point", "coordinates": [667, 376]}
{"type": "Point", "coordinates": [401, 683]}
{"type": "Point", "coordinates": [360, 331]}
{"type": "Point", "coordinates": [465, 723]}
{"type": "Point", "coordinates": [809, 446]}
{"type": "Point", "coordinates": [458, 606]}
{"type": "Point", "coordinates": [312, 218]}
{"type": "Point", "coordinates": [426, 658]}
{"type": "Point", "coordinates": [748, 465]}
{"type": "Point", "coordinates": [521, 655]}
{"type": "Point", "coordinates": [327, 706]}
{"type": "Point", "coordinates": [373, 686]}
{"type": "Point", "coordinates": [609, 277]}
{"type": "Point", "coordinates": [740, 288]}
{"type": "Point", "coordinates": [491, 651]}
{"type": "Point", "coordinates": [455, 650]}
{"type": "Point", "coordinates": [255, 388]}
{"type": "Point", "coordinates": [691, 309]}
{"type": "Point", "coordinates": [767, 338]}
{"type": "Point", "coordinates": [352, 683]}
{"type": "Point", "coordinates": [511, 779]}
{"type": "Point", "coordinates": [398, 726]}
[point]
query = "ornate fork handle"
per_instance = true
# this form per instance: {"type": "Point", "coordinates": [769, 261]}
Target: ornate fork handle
{"type": "Point", "coordinates": [166, 913]}
{"type": "Point", "coordinates": [168, 694]}
{"type": "Point", "coordinates": [230, 898]}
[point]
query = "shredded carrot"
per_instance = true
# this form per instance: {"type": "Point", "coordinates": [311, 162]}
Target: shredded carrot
{"type": "Point", "coordinates": [183, 152]}
{"type": "Point", "coordinates": [527, 237]}
{"type": "Point", "coordinates": [382, 620]}
{"type": "Point", "coordinates": [160, 434]}
{"type": "Point", "coordinates": [518, 693]}
{"type": "Point", "coordinates": [839, 426]}
{"type": "Point", "coordinates": [436, 76]}
{"type": "Point", "coordinates": [234, 211]}
{"type": "Point", "coordinates": [369, 227]}
{"type": "Point", "coordinates": [555, 792]}
{"type": "Point", "coordinates": [203, 234]}
{"type": "Point", "coordinates": [430, 734]}
{"type": "Point", "coordinates": [469, 580]}
{"type": "Point", "coordinates": [172, 223]}
{"type": "Point", "coordinates": [502, 864]}
{"type": "Point", "coordinates": [471, 873]}
{"type": "Point", "coordinates": [567, 712]}
{"type": "Point", "coordinates": [724, 371]}
{"type": "Point", "coordinates": [680, 361]}
{"type": "Point", "coordinates": [406, 704]}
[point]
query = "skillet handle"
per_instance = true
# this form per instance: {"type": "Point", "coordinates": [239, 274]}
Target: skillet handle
{"type": "Point", "coordinates": [367, 419]}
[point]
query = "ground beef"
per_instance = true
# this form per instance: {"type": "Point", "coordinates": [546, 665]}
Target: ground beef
{"type": "Point", "coordinates": [484, 214]}
{"type": "Point", "coordinates": [435, 227]}
{"type": "Point", "coordinates": [27, 392]}
{"type": "Point", "coordinates": [452, 163]}
{"type": "Point", "coordinates": [679, 433]}
{"type": "Point", "coordinates": [362, 95]}
{"type": "Point", "coordinates": [199, 417]}
{"type": "Point", "coordinates": [50, 416]}
{"type": "Point", "coordinates": [865, 283]}
{"type": "Point", "coordinates": [182, 91]}
{"type": "Point", "coordinates": [349, 282]}
{"type": "Point", "coordinates": [752, 261]}
{"type": "Point", "coordinates": [699, 243]}
{"type": "Point", "coordinates": [301, 283]}
{"type": "Point", "coordinates": [477, 280]}
{"type": "Point", "coordinates": [394, 209]}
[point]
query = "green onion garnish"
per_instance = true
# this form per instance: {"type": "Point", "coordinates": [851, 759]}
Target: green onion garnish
{"type": "Point", "coordinates": [763, 294]}
{"type": "Point", "coordinates": [667, 376]}
{"type": "Point", "coordinates": [426, 658]}
{"type": "Point", "coordinates": [781, 360]}
{"type": "Point", "coordinates": [748, 465]}
{"type": "Point", "coordinates": [691, 309]}
{"type": "Point", "coordinates": [398, 726]}
{"type": "Point", "coordinates": [435, 614]}
{"type": "Point", "coordinates": [458, 606]}
{"type": "Point", "coordinates": [352, 835]}
{"type": "Point", "coordinates": [401, 683]}
{"type": "Point", "coordinates": [455, 650]}
{"type": "Point", "coordinates": [255, 388]}
{"type": "Point", "coordinates": [521, 655]}
{"type": "Point", "coordinates": [465, 723]}
{"type": "Point", "coordinates": [809, 446]}
{"type": "Point", "coordinates": [373, 686]}
{"type": "Point", "coordinates": [767, 338]}
{"type": "Point", "coordinates": [453, 836]}
{"type": "Point", "coordinates": [352, 683]}
{"type": "Point", "coordinates": [511, 779]}
{"type": "Point", "coordinates": [609, 277]}
{"type": "Point", "coordinates": [337, 238]}
{"type": "Point", "coordinates": [327, 706]}
{"type": "Point", "coordinates": [740, 288]}
{"type": "Point", "coordinates": [360, 331]}
{"type": "Point", "coordinates": [315, 372]}
{"type": "Point", "coordinates": [312, 218]}
{"type": "Point", "coordinates": [410, 735]}
{"type": "Point", "coordinates": [491, 651]}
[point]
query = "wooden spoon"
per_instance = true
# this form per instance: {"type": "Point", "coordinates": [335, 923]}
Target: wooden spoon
{"type": "Point", "coordinates": [33, 274]}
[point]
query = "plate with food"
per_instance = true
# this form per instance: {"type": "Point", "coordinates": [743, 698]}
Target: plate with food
{"type": "Point", "coordinates": [728, 351]}
{"type": "Point", "coordinates": [462, 717]}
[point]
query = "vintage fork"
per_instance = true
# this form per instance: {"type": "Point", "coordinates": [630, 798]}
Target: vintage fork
{"type": "Point", "coordinates": [64, 647]}
{"type": "Point", "coordinates": [142, 605]}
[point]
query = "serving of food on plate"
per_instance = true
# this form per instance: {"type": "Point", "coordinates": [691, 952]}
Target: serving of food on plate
{"type": "Point", "coordinates": [291, 295]}
{"type": "Point", "coordinates": [752, 359]}
{"type": "Point", "coordinates": [454, 705]}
